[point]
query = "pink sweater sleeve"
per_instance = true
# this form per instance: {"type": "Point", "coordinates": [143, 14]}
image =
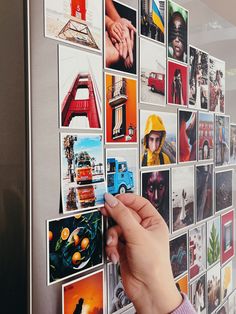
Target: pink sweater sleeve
{"type": "Point", "coordinates": [185, 307]}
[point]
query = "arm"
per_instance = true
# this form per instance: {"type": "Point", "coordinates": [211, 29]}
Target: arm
{"type": "Point", "coordinates": [138, 227]}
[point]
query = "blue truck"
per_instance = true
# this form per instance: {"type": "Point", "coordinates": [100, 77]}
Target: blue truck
{"type": "Point", "coordinates": [119, 178]}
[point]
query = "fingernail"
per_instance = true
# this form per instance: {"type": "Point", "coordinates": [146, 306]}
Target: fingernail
{"type": "Point", "coordinates": [110, 200]}
{"type": "Point", "coordinates": [109, 240]}
{"type": "Point", "coordinates": [114, 259]}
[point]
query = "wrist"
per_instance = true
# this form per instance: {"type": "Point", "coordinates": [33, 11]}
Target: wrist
{"type": "Point", "coordinates": [161, 296]}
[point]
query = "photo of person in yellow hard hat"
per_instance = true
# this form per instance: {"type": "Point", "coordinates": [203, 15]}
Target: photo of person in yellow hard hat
{"type": "Point", "coordinates": [158, 138]}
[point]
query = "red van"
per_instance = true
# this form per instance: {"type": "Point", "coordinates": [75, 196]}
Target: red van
{"type": "Point", "coordinates": [157, 82]}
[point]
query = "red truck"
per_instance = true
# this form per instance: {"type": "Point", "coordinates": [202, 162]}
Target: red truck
{"type": "Point", "coordinates": [157, 82]}
{"type": "Point", "coordinates": [84, 169]}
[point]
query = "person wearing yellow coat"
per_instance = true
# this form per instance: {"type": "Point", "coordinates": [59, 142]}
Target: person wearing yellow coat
{"type": "Point", "coordinates": [154, 139]}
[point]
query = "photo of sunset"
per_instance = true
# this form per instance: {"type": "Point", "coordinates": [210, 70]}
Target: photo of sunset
{"type": "Point", "coordinates": [84, 296]}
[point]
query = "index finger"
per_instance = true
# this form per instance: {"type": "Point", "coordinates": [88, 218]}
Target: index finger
{"type": "Point", "coordinates": [139, 204]}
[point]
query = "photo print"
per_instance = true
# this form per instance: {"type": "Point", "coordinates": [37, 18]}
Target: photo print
{"type": "Point", "coordinates": [232, 143]}
{"type": "Point", "coordinates": [74, 245]}
{"type": "Point", "coordinates": [152, 73]}
{"type": "Point", "coordinates": [224, 190]}
{"type": "Point", "coordinates": [177, 32]}
{"type": "Point", "coordinates": [153, 20]}
{"type": "Point", "coordinates": [120, 37]}
{"type": "Point", "coordinates": [232, 303]}
{"type": "Point", "coordinates": [158, 136]}
{"type": "Point", "coordinates": [213, 241]}
{"type": "Point", "coordinates": [217, 85]}
{"type": "Point", "coordinates": [118, 301]}
{"type": "Point", "coordinates": [227, 236]}
{"type": "Point", "coordinates": [198, 294]}
{"type": "Point", "coordinates": [204, 187]}
{"type": "Point", "coordinates": [84, 295]}
{"type": "Point", "coordinates": [178, 255]}
{"type": "Point", "coordinates": [226, 280]}
{"type": "Point", "coordinates": [223, 309]}
{"type": "Point", "coordinates": [198, 79]}
{"type": "Point", "coordinates": [122, 170]}
{"type": "Point", "coordinates": [182, 197]}
{"type": "Point", "coordinates": [80, 89]}
{"type": "Point", "coordinates": [187, 135]}
{"type": "Point", "coordinates": [121, 109]}
{"type": "Point", "coordinates": [182, 284]}
{"type": "Point", "coordinates": [213, 288]}
{"type": "Point", "coordinates": [82, 171]}
{"type": "Point", "coordinates": [197, 251]}
{"type": "Point", "coordinates": [222, 140]}
{"type": "Point", "coordinates": [156, 189]}
{"type": "Point", "coordinates": [205, 136]}
{"type": "Point", "coordinates": [75, 22]}
{"type": "Point", "coordinates": [177, 84]}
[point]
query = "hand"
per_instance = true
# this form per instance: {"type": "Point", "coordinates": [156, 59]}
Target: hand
{"type": "Point", "coordinates": [115, 31]}
{"type": "Point", "coordinates": [140, 241]}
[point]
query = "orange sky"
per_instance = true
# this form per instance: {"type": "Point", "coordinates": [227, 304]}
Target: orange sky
{"type": "Point", "coordinates": [183, 282]}
{"type": "Point", "coordinates": [90, 289]}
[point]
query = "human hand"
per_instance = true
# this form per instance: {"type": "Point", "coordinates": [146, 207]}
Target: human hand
{"type": "Point", "coordinates": [140, 242]}
{"type": "Point", "coordinates": [115, 31]}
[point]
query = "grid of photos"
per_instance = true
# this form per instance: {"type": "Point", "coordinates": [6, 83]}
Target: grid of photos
{"type": "Point", "coordinates": [140, 111]}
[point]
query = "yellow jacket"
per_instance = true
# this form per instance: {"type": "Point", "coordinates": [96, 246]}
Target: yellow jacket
{"type": "Point", "coordinates": [158, 157]}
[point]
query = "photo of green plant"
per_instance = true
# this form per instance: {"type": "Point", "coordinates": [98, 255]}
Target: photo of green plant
{"type": "Point", "coordinates": [213, 241]}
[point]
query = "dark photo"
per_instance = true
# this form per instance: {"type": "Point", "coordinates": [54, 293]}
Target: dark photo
{"type": "Point", "coordinates": [155, 188]}
{"type": "Point", "coordinates": [120, 37]}
{"type": "Point", "coordinates": [204, 183]}
{"type": "Point", "coordinates": [224, 189]}
{"type": "Point", "coordinates": [178, 255]}
{"type": "Point", "coordinates": [177, 32]}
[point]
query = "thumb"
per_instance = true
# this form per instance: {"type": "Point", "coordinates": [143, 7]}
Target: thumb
{"type": "Point", "coordinates": [123, 217]}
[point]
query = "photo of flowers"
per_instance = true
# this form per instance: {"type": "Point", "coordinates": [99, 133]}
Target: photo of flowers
{"type": "Point", "coordinates": [183, 197]}
{"type": "Point", "coordinates": [74, 245]}
{"type": "Point", "coordinates": [82, 171]}
{"type": "Point", "coordinates": [179, 255]}
{"type": "Point", "coordinates": [226, 280]}
{"type": "Point", "coordinates": [158, 136]}
{"type": "Point", "coordinates": [121, 109]}
{"type": "Point", "coordinates": [75, 22]}
{"type": "Point", "coordinates": [197, 251]}
{"type": "Point", "coordinates": [84, 295]}
{"type": "Point", "coordinates": [213, 241]}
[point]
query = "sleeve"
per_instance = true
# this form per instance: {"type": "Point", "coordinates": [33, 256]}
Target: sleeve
{"type": "Point", "coordinates": [185, 307]}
